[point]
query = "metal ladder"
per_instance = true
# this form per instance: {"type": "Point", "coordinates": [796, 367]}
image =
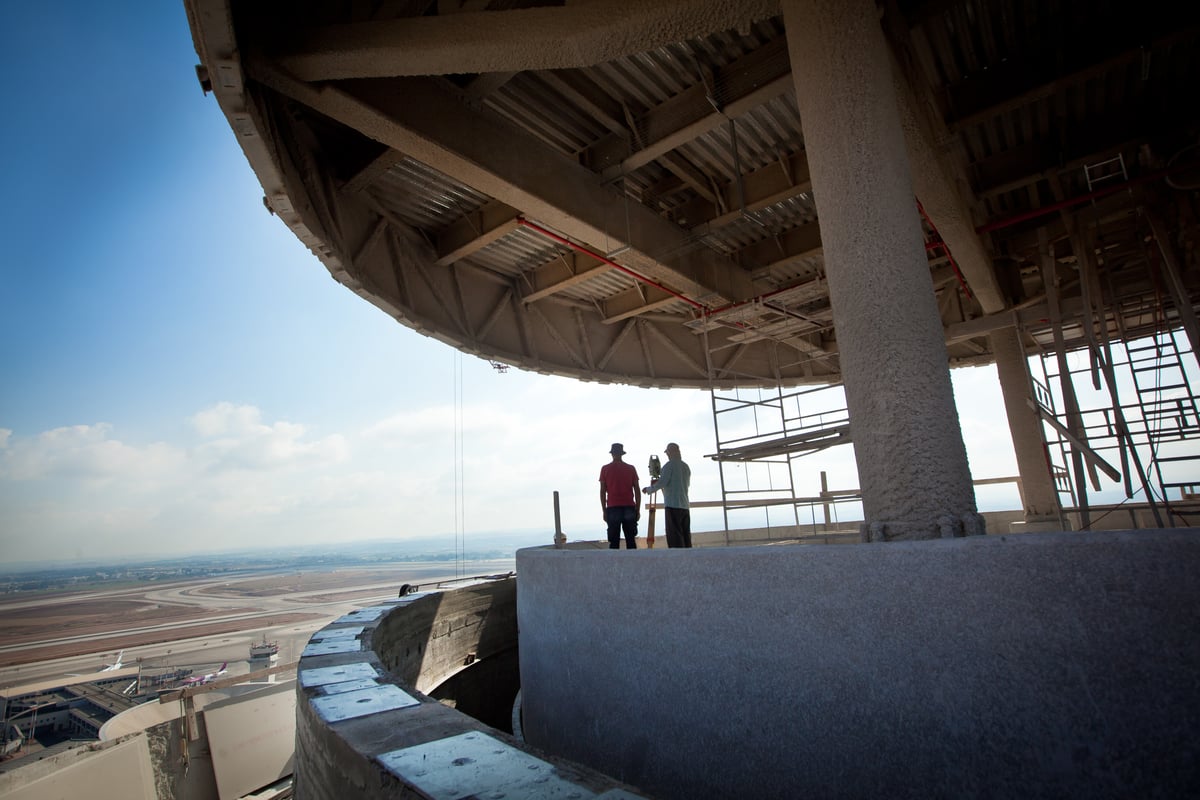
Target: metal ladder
{"type": "Point", "coordinates": [1170, 411]}
{"type": "Point", "coordinates": [1044, 398]}
{"type": "Point", "coordinates": [1106, 170]}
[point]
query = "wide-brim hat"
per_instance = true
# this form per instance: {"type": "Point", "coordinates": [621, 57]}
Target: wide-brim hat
{"type": "Point", "coordinates": [617, 449]}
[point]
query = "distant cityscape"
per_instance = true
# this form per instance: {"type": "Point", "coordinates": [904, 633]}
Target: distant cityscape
{"type": "Point", "coordinates": [65, 576]}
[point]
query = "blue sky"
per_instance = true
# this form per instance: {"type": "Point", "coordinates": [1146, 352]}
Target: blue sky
{"type": "Point", "coordinates": [181, 375]}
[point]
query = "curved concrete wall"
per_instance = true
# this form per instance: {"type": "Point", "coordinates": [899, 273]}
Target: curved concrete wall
{"type": "Point", "coordinates": [1031, 665]}
{"type": "Point", "coordinates": [365, 729]}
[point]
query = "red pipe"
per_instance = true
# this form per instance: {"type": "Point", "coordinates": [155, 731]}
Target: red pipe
{"type": "Point", "coordinates": [1074, 201]}
{"type": "Point", "coordinates": [740, 303]}
{"type": "Point", "coordinates": [985, 228]}
{"type": "Point", "coordinates": [945, 249]}
{"type": "Point", "coordinates": [705, 310]}
{"type": "Point", "coordinates": [604, 259]}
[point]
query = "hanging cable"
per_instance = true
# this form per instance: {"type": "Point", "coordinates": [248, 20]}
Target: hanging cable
{"type": "Point", "coordinates": [459, 488]}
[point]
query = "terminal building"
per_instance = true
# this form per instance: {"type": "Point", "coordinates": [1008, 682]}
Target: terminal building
{"type": "Point", "coordinates": [67, 709]}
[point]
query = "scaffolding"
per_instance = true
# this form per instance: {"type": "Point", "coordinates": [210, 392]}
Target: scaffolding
{"type": "Point", "coordinates": [1131, 443]}
{"type": "Point", "coordinates": [1135, 436]}
{"type": "Point", "coordinates": [761, 435]}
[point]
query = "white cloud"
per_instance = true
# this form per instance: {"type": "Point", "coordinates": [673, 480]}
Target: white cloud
{"type": "Point", "coordinates": [242, 479]}
{"type": "Point", "coordinates": [227, 419]}
{"type": "Point", "coordinates": [399, 427]}
{"type": "Point", "coordinates": [238, 439]}
{"type": "Point", "coordinates": [82, 491]}
{"type": "Point", "coordinates": [82, 452]}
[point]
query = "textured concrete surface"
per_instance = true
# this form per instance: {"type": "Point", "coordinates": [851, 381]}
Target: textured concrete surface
{"type": "Point", "coordinates": [409, 645]}
{"type": "Point", "coordinates": [116, 770]}
{"type": "Point", "coordinates": [1038, 494]}
{"type": "Point", "coordinates": [934, 182]}
{"type": "Point", "coordinates": [912, 464]}
{"type": "Point", "coordinates": [577, 34]}
{"type": "Point", "coordinates": [1036, 665]}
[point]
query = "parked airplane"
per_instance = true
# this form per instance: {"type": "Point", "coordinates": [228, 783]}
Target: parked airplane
{"type": "Point", "coordinates": [200, 680]}
{"type": "Point", "coordinates": [113, 667]}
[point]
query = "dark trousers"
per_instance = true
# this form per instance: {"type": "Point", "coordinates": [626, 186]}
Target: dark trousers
{"type": "Point", "coordinates": [679, 527]}
{"type": "Point", "coordinates": [621, 518]}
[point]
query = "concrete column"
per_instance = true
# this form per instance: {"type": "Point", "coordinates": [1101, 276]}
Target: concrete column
{"type": "Point", "coordinates": [1042, 508]}
{"type": "Point", "coordinates": [912, 464]}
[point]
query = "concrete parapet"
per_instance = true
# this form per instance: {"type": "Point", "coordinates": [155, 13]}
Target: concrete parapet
{"type": "Point", "coordinates": [367, 728]}
{"type": "Point", "coordinates": [845, 531]}
{"type": "Point", "coordinates": [1035, 665]}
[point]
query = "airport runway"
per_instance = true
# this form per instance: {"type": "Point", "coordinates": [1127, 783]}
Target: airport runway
{"type": "Point", "coordinates": [203, 653]}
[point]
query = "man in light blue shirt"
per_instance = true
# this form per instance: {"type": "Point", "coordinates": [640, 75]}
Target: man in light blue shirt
{"type": "Point", "coordinates": [674, 482]}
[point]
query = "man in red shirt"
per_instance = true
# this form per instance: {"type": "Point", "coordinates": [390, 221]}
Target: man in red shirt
{"type": "Point", "coordinates": [619, 499]}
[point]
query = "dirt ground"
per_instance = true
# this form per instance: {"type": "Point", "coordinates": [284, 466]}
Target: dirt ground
{"type": "Point", "coordinates": [94, 615]}
{"type": "Point", "coordinates": [295, 582]}
{"type": "Point", "coordinates": [138, 639]}
{"type": "Point", "coordinates": [63, 615]}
